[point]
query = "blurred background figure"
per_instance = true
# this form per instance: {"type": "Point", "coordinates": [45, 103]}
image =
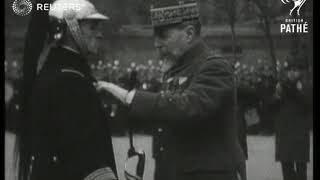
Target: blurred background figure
{"type": "Point", "coordinates": [243, 106]}
{"type": "Point", "coordinates": [293, 92]}
{"type": "Point", "coordinates": [8, 92]}
{"type": "Point", "coordinates": [10, 169]}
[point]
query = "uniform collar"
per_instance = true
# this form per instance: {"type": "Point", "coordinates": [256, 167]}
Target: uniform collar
{"type": "Point", "coordinates": [64, 58]}
{"type": "Point", "coordinates": [193, 52]}
{"type": "Point", "coordinates": [190, 56]}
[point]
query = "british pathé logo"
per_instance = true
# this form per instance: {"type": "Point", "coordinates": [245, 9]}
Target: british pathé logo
{"type": "Point", "coordinates": [22, 7]}
{"type": "Point", "coordinates": [294, 25]}
{"type": "Point", "coordinates": [297, 5]}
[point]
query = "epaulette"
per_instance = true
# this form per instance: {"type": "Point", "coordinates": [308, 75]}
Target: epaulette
{"type": "Point", "coordinates": [217, 56]}
{"type": "Point", "coordinates": [73, 71]}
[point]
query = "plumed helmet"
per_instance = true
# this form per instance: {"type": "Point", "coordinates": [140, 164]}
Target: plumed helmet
{"type": "Point", "coordinates": [80, 9]}
{"type": "Point", "coordinates": [67, 13]}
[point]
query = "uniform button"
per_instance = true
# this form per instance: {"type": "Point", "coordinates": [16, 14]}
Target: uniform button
{"type": "Point", "coordinates": [170, 99]}
{"type": "Point", "coordinates": [161, 148]}
{"type": "Point", "coordinates": [54, 158]}
{"type": "Point", "coordinates": [160, 130]}
{"type": "Point", "coordinates": [33, 158]}
{"type": "Point", "coordinates": [17, 107]}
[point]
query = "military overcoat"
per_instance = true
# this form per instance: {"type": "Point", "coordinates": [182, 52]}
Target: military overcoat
{"type": "Point", "coordinates": [193, 116]}
{"type": "Point", "coordinates": [293, 124]}
{"type": "Point", "coordinates": [66, 126]}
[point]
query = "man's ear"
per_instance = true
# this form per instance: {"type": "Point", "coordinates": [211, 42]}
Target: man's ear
{"type": "Point", "coordinates": [191, 33]}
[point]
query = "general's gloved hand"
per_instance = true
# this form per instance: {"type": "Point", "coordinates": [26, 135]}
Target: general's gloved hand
{"type": "Point", "coordinates": [120, 93]}
{"type": "Point", "coordinates": [115, 90]}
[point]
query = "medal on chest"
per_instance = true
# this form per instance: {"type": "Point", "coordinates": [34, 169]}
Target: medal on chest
{"type": "Point", "coordinates": [175, 84]}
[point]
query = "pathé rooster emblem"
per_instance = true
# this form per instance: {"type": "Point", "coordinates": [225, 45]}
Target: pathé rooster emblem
{"type": "Point", "coordinates": [297, 4]}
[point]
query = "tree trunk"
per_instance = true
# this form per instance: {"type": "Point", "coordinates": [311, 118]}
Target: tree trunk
{"type": "Point", "coordinates": [270, 43]}
{"type": "Point", "coordinates": [234, 42]}
{"type": "Point", "coordinates": [307, 15]}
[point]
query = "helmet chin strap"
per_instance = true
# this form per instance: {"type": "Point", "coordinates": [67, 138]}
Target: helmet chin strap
{"type": "Point", "coordinates": [76, 33]}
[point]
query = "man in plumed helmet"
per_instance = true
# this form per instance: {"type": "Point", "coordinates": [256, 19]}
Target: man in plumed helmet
{"type": "Point", "coordinates": [195, 132]}
{"type": "Point", "coordinates": [65, 133]}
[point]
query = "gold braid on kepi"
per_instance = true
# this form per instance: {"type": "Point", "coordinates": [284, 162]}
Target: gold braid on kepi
{"type": "Point", "coordinates": [166, 12]}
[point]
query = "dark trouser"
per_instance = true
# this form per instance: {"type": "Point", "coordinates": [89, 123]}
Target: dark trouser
{"type": "Point", "coordinates": [294, 170]}
{"type": "Point", "coordinates": [242, 170]}
{"type": "Point", "coordinates": [162, 172]}
{"type": "Point", "coordinates": [210, 175]}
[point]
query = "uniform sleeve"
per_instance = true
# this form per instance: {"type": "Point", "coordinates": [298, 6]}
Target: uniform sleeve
{"type": "Point", "coordinates": [78, 121]}
{"type": "Point", "coordinates": [210, 88]}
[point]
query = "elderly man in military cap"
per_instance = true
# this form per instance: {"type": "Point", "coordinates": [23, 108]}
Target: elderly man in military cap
{"type": "Point", "coordinates": [65, 132]}
{"type": "Point", "coordinates": [195, 133]}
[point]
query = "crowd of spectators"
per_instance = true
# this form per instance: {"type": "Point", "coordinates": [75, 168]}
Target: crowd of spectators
{"type": "Point", "coordinates": [257, 85]}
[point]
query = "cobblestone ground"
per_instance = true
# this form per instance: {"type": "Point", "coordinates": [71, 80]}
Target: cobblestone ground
{"type": "Point", "coordinates": [261, 163]}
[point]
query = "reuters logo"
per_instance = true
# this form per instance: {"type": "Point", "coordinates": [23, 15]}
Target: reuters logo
{"type": "Point", "coordinates": [22, 7]}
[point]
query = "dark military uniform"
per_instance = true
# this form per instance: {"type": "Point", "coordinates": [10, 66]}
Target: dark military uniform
{"type": "Point", "coordinates": [293, 131]}
{"type": "Point", "coordinates": [66, 127]}
{"type": "Point", "coordinates": [13, 107]}
{"type": "Point", "coordinates": [243, 96]}
{"type": "Point", "coordinates": [195, 135]}
{"type": "Point", "coordinates": [293, 128]}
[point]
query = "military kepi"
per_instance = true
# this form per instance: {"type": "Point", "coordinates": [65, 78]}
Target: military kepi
{"type": "Point", "coordinates": [166, 12]}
